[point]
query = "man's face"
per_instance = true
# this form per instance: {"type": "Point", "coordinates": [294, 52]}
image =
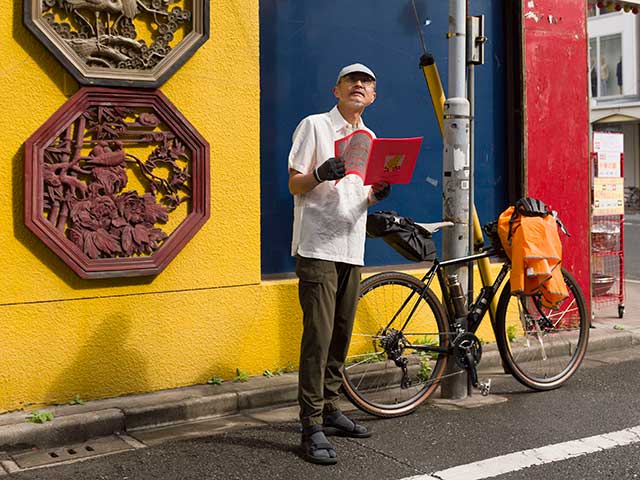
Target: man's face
{"type": "Point", "coordinates": [356, 89]}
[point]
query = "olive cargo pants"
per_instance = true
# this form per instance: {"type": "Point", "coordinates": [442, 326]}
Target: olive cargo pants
{"type": "Point", "coordinates": [328, 293]}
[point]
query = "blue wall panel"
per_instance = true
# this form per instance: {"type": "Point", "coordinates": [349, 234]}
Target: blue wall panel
{"type": "Point", "coordinates": [303, 44]}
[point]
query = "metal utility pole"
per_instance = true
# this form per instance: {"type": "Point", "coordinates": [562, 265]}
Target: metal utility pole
{"type": "Point", "coordinates": [455, 162]}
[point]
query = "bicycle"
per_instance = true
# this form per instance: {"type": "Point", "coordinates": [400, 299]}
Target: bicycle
{"type": "Point", "coordinates": [403, 336]}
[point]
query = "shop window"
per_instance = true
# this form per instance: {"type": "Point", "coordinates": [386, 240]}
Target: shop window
{"type": "Point", "coordinates": [593, 11]}
{"type": "Point", "coordinates": [605, 63]}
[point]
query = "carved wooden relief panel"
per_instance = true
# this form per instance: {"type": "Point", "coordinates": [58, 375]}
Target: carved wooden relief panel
{"type": "Point", "coordinates": [120, 42]}
{"type": "Point", "coordinates": [116, 182]}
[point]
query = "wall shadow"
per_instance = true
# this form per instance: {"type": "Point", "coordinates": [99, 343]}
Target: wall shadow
{"type": "Point", "coordinates": [112, 367]}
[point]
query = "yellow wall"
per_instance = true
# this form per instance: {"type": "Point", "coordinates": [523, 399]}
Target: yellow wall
{"type": "Point", "coordinates": [208, 312]}
{"type": "Point", "coordinates": [202, 316]}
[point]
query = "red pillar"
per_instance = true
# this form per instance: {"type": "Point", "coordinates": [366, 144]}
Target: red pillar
{"type": "Point", "coordinates": [557, 120]}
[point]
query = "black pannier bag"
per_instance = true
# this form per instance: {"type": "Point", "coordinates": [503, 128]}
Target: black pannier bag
{"type": "Point", "coordinates": [402, 234]}
{"type": "Point", "coordinates": [491, 231]}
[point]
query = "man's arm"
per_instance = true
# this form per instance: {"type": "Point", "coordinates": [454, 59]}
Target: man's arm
{"type": "Point", "coordinates": [300, 183]}
{"type": "Point", "coordinates": [379, 192]}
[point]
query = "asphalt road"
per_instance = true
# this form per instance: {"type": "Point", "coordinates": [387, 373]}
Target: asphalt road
{"type": "Point", "coordinates": [603, 397]}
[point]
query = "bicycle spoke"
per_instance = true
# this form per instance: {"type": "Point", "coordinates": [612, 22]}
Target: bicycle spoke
{"type": "Point", "coordinates": [389, 371]}
{"type": "Point", "coordinates": [549, 345]}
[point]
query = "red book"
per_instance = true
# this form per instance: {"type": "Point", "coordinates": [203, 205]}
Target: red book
{"type": "Point", "coordinates": [375, 160]}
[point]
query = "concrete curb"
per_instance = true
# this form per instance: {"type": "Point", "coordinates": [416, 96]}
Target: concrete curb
{"type": "Point", "coordinates": [62, 430]}
{"type": "Point", "coordinates": [75, 424]}
{"type": "Point", "coordinates": [137, 412]}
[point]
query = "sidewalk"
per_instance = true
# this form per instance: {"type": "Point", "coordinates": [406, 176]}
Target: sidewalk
{"type": "Point", "coordinates": [78, 423]}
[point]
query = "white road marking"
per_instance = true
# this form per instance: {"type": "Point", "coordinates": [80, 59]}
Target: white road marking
{"type": "Point", "coordinates": [513, 462]}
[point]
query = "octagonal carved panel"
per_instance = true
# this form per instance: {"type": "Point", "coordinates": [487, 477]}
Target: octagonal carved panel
{"type": "Point", "coordinates": [116, 182]}
{"type": "Point", "coordinates": [137, 43]}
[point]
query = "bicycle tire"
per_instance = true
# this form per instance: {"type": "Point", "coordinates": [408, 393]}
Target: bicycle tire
{"type": "Point", "coordinates": [542, 358]}
{"type": "Point", "coordinates": [371, 381]}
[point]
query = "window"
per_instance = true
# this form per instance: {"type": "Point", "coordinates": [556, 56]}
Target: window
{"type": "Point", "coordinates": [593, 11]}
{"type": "Point", "coordinates": [605, 64]}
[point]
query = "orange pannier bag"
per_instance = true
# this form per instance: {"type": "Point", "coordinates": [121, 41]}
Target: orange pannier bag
{"type": "Point", "coordinates": [536, 253]}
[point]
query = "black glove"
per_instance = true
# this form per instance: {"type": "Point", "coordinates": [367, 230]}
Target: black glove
{"type": "Point", "coordinates": [332, 169]}
{"type": "Point", "coordinates": [382, 194]}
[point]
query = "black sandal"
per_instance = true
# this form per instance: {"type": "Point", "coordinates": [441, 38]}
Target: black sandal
{"type": "Point", "coordinates": [337, 423]}
{"type": "Point", "coordinates": [314, 442]}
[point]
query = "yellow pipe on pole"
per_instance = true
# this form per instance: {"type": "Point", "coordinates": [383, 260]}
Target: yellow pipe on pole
{"type": "Point", "coordinates": [483, 264]}
{"type": "Point", "coordinates": [434, 84]}
{"type": "Point", "coordinates": [432, 77]}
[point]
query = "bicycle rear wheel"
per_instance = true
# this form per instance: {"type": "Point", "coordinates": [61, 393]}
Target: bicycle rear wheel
{"type": "Point", "coordinates": [373, 378]}
{"type": "Point", "coordinates": [542, 347]}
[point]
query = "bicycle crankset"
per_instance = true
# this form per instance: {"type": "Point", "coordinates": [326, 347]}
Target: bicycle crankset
{"type": "Point", "coordinates": [467, 352]}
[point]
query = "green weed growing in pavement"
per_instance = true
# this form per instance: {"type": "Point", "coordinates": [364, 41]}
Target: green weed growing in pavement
{"type": "Point", "coordinates": [290, 368]}
{"type": "Point", "coordinates": [425, 370]}
{"type": "Point", "coordinates": [512, 332]}
{"type": "Point", "coordinates": [76, 401]}
{"type": "Point", "coordinates": [426, 340]}
{"type": "Point", "coordinates": [39, 416]}
{"type": "Point", "coordinates": [274, 373]}
{"type": "Point", "coordinates": [618, 327]}
{"type": "Point", "coordinates": [215, 381]}
{"type": "Point", "coordinates": [424, 373]}
{"type": "Point", "coordinates": [241, 376]}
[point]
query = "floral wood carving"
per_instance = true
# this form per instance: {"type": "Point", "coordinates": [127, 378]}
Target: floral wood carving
{"type": "Point", "coordinates": [116, 182]}
{"type": "Point", "coordinates": [120, 42]}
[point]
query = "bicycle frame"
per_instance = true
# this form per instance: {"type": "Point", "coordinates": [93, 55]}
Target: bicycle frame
{"type": "Point", "coordinates": [432, 336]}
{"type": "Point", "coordinates": [477, 310]}
{"type": "Point", "coordinates": [481, 304]}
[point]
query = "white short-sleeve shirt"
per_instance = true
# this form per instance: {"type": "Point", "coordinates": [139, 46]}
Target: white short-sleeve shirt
{"type": "Point", "coordinates": [329, 222]}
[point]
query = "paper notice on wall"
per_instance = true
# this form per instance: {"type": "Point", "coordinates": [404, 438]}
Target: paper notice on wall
{"type": "Point", "coordinates": [608, 142]}
{"type": "Point", "coordinates": [608, 196]}
{"type": "Point", "coordinates": [608, 164]}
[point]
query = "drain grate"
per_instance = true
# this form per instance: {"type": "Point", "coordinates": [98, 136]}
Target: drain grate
{"type": "Point", "coordinates": [91, 448]}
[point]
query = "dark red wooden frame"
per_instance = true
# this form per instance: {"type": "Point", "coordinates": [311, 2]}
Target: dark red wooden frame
{"type": "Point", "coordinates": [85, 75]}
{"type": "Point", "coordinates": [73, 256]}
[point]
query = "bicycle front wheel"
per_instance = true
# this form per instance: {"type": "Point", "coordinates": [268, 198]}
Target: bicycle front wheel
{"type": "Point", "coordinates": [542, 347]}
{"type": "Point", "coordinates": [388, 371]}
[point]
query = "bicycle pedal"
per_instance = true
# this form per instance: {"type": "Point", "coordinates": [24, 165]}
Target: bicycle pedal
{"type": "Point", "coordinates": [485, 387]}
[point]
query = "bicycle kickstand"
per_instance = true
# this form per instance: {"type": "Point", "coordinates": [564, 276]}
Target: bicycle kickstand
{"type": "Point", "coordinates": [485, 387]}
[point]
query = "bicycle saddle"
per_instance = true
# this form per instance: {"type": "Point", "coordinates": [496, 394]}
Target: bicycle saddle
{"type": "Point", "coordinates": [434, 227]}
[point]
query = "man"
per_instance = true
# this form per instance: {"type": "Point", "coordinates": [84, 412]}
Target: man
{"type": "Point", "coordinates": [328, 243]}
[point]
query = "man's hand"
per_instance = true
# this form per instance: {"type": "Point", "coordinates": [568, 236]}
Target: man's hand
{"type": "Point", "coordinates": [381, 190]}
{"type": "Point", "coordinates": [332, 169]}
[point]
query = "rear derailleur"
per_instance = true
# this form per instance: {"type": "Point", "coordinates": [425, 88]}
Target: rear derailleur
{"type": "Point", "coordinates": [393, 343]}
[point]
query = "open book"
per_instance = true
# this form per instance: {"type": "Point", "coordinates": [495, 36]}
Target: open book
{"type": "Point", "coordinates": [375, 160]}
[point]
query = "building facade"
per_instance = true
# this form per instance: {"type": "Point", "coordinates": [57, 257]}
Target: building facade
{"type": "Point", "coordinates": [614, 49]}
{"type": "Point", "coordinates": [228, 300]}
